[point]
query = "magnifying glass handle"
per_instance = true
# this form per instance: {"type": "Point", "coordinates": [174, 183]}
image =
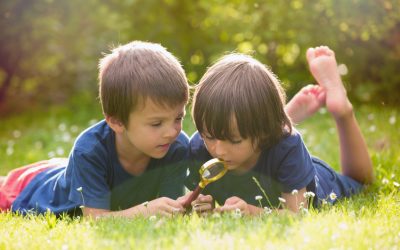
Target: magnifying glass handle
{"type": "Point", "coordinates": [192, 197]}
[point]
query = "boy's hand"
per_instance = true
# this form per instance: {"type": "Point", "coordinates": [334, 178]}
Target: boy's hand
{"type": "Point", "coordinates": [203, 204]}
{"type": "Point", "coordinates": [162, 206]}
{"type": "Point", "coordinates": [234, 203]}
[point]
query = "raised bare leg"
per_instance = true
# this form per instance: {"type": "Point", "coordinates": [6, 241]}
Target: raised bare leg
{"type": "Point", "coordinates": [354, 155]}
{"type": "Point", "coordinates": [305, 103]}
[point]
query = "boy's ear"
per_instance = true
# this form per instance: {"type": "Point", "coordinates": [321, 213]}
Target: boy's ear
{"type": "Point", "coordinates": [116, 125]}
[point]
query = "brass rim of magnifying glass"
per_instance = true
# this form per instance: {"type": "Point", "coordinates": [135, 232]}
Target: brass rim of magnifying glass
{"type": "Point", "coordinates": [207, 165]}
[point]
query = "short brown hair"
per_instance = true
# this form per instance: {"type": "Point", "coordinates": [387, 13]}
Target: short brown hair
{"type": "Point", "coordinates": [238, 86]}
{"type": "Point", "coordinates": [136, 71]}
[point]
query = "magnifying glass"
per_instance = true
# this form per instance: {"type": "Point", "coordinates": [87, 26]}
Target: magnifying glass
{"type": "Point", "coordinates": [210, 171]}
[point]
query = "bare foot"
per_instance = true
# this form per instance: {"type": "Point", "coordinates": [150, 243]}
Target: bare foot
{"type": "Point", "coordinates": [305, 103]}
{"type": "Point", "coordinates": [323, 67]}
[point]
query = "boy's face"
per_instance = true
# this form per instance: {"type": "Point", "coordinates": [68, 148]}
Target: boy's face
{"type": "Point", "coordinates": [239, 154]}
{"type": "Point", "coordinates": [153, 128]}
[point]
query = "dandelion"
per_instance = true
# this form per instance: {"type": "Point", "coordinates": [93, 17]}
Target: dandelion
{"type": "Point", "coordinates": [9, 151]}
{"type": "Point", "coordinates": [295, 192]}
{"type": "Point", "coordinates": [396, 184]}
{"type": "Point", "coordinates": [392, 120]}
{"type": "Point", "coordinates": [333, 196]}
{"type": "Point", "coordinates": [372, 128]}
{"type": "Point", "coordinates": [267, 210]}
{"type": "Point", "coordinates": [16, 133]}
{"type": "Point", "coordinates": [237, 213]}
{"type": "Point", "coordinates": [281, 199]}
{"type": "Point", "coordinates": [371, 117]}
{"type": "Point", "coordinates": [62, 127]}
{"type": "Point", "coordinates": [304, 210]}
{"type": "Point", "coordinates": [145, 204]}
{"type": "Point", "coordinates": [60, 151]}
{"type": "Point", "coordinates": [342, 69]}
{"type": "Point", "coordinates": [262, 190]}
{"type": "Point", "coordinates": [80, 190]}
{"type": "Point", "coordinates": [308, 195]}
{"type": "Point", "coordinates": [258, 198]}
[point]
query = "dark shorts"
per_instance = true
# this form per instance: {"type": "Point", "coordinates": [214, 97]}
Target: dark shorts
{"type": "Point", "coordinates": [328, 181]}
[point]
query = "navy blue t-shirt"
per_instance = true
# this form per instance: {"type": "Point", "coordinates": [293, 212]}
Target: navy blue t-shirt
{"type": "Point", "coordinates": [280, 169]}
{"type": "Point", "coordinates": [93, 165]}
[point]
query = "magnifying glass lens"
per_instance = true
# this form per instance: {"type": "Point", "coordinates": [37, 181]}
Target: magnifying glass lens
{"type": "Point", "coordinates": [213, 170]}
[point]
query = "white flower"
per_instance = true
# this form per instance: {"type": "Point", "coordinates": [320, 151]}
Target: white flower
{"type": "Point", "coordinates": [281, 199]}
{"type": "Point", "coordinates": [79, 189]}
{"type": "Point", "coordinates": [237, 213]}
{"type": "Point", "coordinates": [392, 120]}
{"type": "Point", "coordinates": [308, 195]}
{"type": "Point", "coordinates": [333, 196]}
{"type": "Point", "coordinates": [396, 184]}
{"type": "Point", "coordinates": [258, 197]}
{"type": "Point", "coordinates": [385, 181]}
{"type": "Point", "coordinates": [146, 203]}
{"type": "Point", "coordinates": [152, 218]}
{"type": "Point", "coordinates": [267, 210]}
{"type": "Point", "coordinates": [295, 192]}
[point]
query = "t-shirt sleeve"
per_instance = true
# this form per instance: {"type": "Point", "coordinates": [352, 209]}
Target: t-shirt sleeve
{"type": "Point", "coordinates": [87, 172]}
{"type": "Point", "coordinates": [175, 170]}
{"type": "Point", "coordinates": [296, 170]}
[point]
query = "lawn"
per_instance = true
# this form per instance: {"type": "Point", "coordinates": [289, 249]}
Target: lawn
{"type": "Point", "coordinates": [370, 220]}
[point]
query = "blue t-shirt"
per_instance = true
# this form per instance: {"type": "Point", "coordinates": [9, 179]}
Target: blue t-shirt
{"type": "Point", "coordinates": [280, 169]}
{"type": "Point", "coordinates": [94, 166]}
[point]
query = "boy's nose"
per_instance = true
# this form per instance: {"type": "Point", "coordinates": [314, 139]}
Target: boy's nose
{"type": "Point", "coordinates": [173, 131]}
{"type": "Point", "coordinates": [219, 149]}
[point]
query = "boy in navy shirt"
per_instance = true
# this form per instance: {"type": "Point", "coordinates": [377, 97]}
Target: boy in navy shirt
{"type": "Point", "coordinates": [239, 111]}
{"type": "Point", "coordinates": [128, 164]}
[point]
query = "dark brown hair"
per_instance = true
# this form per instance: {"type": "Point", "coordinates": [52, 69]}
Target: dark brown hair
{"type": "Point", "coordinates": [238, 86]}
{"type": "Point", "coordinates": [133, 72]}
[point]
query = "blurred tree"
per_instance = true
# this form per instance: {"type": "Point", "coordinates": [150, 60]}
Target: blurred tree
{"type": "Point", "coordinates": [50, 48]}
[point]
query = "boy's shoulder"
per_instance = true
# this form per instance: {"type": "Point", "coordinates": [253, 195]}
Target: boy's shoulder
{"type": "Point", "coordinates": [182, 140]}
{"type": "Point", "coordinates": [97, 134]}
{"type": "Point", "coordinates": [288, 142]}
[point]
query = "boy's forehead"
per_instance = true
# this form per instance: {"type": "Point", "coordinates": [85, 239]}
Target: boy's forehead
{"type": "Point", "coordinates": [230, 126]}
{"type": "Point", "coordinates": [149, 107]}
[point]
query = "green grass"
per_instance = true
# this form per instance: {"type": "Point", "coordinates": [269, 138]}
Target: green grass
{"type": "Point", "coordinates": [370, 220]}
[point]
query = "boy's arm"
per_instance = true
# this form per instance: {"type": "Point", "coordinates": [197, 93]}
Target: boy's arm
{"type": "Point", "coordinates": [161, 206]}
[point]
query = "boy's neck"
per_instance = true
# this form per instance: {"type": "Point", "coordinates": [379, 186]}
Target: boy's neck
{"type": "Point", "coordinates": [132, 160]}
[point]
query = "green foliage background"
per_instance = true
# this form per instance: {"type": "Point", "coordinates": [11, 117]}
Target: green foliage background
{"type": "Point", "coordinates": [49, 49]}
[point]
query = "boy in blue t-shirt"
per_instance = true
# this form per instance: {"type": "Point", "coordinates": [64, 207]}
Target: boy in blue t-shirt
{"type": "Point", "coordinates": [238, 109]}
{"type": "Point", "coordinates": [128, 164]}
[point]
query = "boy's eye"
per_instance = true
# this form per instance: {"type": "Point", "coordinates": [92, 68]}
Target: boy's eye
{"type": "Point", "coordinates": [155, 124]}
{"type": "Point", "coordinates": [236, 141]}
{"type": "Point", "coordinates": [179, 118]}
